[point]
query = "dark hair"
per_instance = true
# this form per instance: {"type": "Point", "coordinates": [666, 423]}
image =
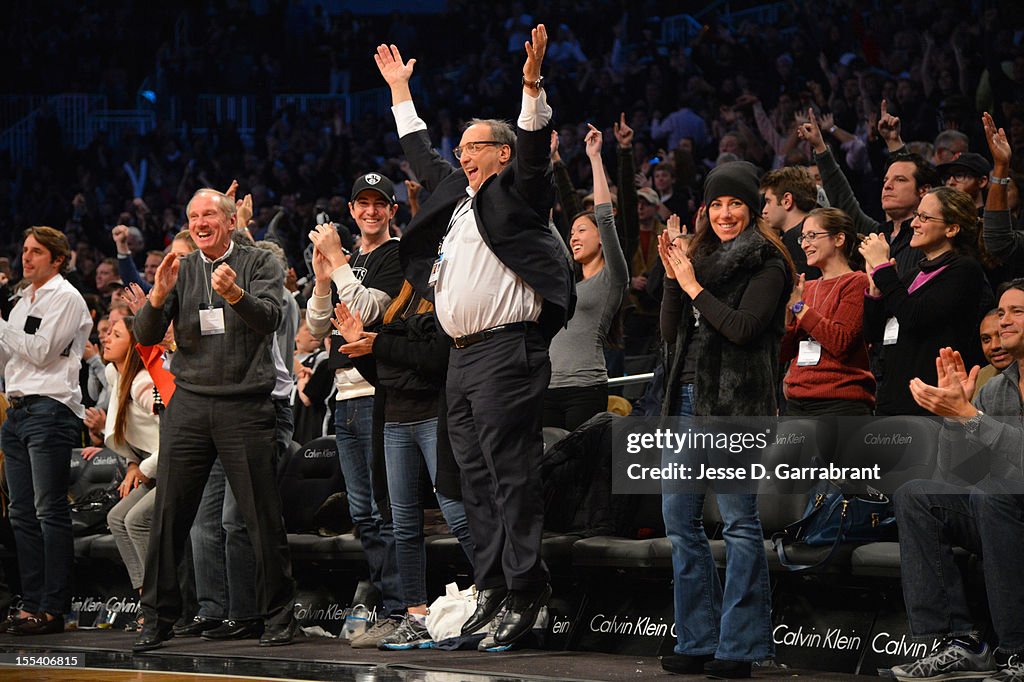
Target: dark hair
{"type": "Point", "coordinates": [55, 242]}
{"type": "Point", "coordinates": [925, 174]}
{"type": "Point", "coordinates": [796, 181]}
{"type": "Point", "coordinates": [1017, 284]}
{"type": "Point", "coordinates": [958, 208]}
{"type": "Point", "coordinates": [836, 222]}
{"type": "Point", "coordinates": [664, 166]}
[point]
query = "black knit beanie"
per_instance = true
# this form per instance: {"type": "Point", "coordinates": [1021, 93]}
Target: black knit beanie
{"type": "Point", "coordinates": [735, 179]}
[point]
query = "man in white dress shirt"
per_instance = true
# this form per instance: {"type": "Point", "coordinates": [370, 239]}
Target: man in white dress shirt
{"type": "Point", "coordinates": [481, 249]}
{"type": "Point", "coordinates": [41, 346]}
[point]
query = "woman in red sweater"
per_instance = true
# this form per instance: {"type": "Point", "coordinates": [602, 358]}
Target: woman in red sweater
{"type": "Point", "coordinates": [824, 343]}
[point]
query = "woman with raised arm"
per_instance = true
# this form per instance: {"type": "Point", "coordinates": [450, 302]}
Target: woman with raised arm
{"type": "Point", "coordinates": [824, 345]}
{"type": "Point", "coordinates": [940, 307]}
{"type": "Point", "coordinates": [722, 319]}
{"type": "Point", "coordinates": [579, 379]}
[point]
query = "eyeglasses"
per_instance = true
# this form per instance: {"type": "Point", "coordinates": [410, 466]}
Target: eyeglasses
{"type": "Point", "coordinates": [924, 219]}
{"type": "Point", "coordinates": [811, 236]}
{"type": "Point", "coordinates": [959, 177]}
{"type": "Point", "coordinates": [473, 148]}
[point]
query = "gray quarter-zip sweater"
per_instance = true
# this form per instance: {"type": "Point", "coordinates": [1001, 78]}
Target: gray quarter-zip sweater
{"type": "Point", "coordinates": [237, 362]}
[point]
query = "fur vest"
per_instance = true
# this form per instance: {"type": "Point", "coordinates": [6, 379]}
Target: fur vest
{"type": "Point", "coordinates": [731, 380]}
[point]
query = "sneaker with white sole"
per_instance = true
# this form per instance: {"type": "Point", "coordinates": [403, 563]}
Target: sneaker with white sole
{"type": "Point", "coordinates": [371, 639]}
{"type": "Point", "coordinates": [411, 634]}
{"type": "Point", "coordinates": [1010, 671]}
{"type": "Point", "coordinates": [949, 660]}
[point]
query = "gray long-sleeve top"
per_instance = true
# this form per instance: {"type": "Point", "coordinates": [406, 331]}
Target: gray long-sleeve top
{"type": "Point", "coordinates": [577, 352]}
{"type": "Point", "coordinates": [237, 362]}
{"type": "Point", "coordinates": [996, 448]}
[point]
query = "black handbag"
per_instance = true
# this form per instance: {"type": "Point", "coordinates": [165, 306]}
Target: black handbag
{"type": "Point", "coordinates": [832, 518]}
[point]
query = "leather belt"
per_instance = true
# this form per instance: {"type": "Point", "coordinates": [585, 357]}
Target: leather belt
{"type": "Point", "coordinates": [18, 402]}
{"type": "Point", "coordinates": [470, 339]}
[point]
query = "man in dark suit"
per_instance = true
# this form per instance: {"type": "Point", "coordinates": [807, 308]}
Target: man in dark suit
{"type": "Point", "coordinates": [481, 249]}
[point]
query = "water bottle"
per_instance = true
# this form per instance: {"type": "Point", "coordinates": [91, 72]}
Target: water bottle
{"type": "Point", "coordinates": [355, 622]}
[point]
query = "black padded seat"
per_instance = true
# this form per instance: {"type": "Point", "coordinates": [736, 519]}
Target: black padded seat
{"type": "Point", "coordinates": [104, 548]}
{"type": "Point", "coordinates": [624, 553]}
{"type": "Point", "coordinates": [335, 549]}
{"type": "Point", "coordinates": [83, 544]}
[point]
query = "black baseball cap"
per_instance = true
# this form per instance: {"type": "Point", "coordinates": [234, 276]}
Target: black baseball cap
{"type": "Point", "coordinates": [975, 164]}
{"type": "Point", "coordinates": [376, 182]}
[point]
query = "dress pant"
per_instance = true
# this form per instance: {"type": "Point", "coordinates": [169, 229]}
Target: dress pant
{"type": "Point", "coordinates": [239, 431]}
{"type": "Point", "coordinates": [495, 392]}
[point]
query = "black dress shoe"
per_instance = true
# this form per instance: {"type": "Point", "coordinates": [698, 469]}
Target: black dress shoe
{"type": "Point", "coordinates": [38, 625]}
{"type": "Point", "coordinates": [727, 670]}
{"type": "Point", "coordinates": [681, 664]}
{"type": "Point", "coordinates": [280, 634]}
{"type": "Point", "coordinates": [196, 627]}
{"type": "Point", "coordinates": [153, 636]}
{"type": "Point", "coordinates": [235, 629]}
{"type": "Point", "coordinates": [520, 614]}
{"type": "Point", "coordinates": [488, 602]}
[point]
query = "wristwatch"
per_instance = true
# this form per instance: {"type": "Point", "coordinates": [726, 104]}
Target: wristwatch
{"type": "Point", "coordinates": [972, 424]}
{"type": "Point", "coordinates": [533, 84]}
{"type": "Point", "coordinates": [796, 307]}
{"type": "Point", "coordinates": [995, 180]}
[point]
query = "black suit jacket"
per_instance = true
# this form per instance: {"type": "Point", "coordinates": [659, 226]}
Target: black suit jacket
{"type": "Point", "coordinates": [511, 209]}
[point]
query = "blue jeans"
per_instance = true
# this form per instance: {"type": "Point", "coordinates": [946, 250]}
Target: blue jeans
{"type": "Point", "coordinates": [987, 519]}
{"type": "Point", "coordinates": [353, 427]}
{"type": "Point", "coordinates": [221, 548]}
{"type": "Point", "coordinates": [37, 440]}
{"type": "Point", "coordinates": [406, 448]}
{"type": "Point", "coordinates": [734, 624]}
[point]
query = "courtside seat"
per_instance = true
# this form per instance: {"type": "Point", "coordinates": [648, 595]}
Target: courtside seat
{"type": "Point", "coordinates": [82, 545]}
{"type": "Point", "coordinates": [622, 553]}
{"type": "Point", "coordinates": [336, 549]}
{"type": "Point", "coordinates": [905, 448]}
{"type": "Point", "coordinates": [103, 548]}
{"type": "Point", "coordinates": [553, 434]}
{"type": "Point", "coordinates": [311, 475]}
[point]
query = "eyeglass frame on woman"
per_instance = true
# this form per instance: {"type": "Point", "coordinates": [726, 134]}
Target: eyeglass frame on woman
{"type": "Point", "coordinates": [924, 218]}
{"type": "Point", "coordinates": [812, 236]}
{"type": "Point", "coordinates": [477, 146]}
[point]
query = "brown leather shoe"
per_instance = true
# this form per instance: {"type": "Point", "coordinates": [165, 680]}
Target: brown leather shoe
{"type": "Point", "coordinates": [39, 625]}
{"type": "Point", "coordinates": [14, 619]}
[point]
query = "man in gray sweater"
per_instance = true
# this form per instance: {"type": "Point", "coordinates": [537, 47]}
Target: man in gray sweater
{"type": "Point", "coordinates": [225, 302]}
{"type": "Point", "coordinates": [982, 441]}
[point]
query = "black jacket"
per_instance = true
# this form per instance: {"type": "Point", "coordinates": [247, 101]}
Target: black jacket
{"type": "Point", "coordinates": [945, 311]}
{"type": "Point", "coordinates": [743, 312]}
{"type": "Point", "coordinates": [410, 355]}
{"type": "Point", "coordinates": [511, 209]}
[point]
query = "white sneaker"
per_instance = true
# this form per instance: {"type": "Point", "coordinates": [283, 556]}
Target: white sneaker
{"type": "Point", "coordinates": [1011, 671]}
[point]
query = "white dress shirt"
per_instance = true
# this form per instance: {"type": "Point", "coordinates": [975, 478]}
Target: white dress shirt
{"type": "Point", "coordinates": [47, 361]}
{"type": "Point", "coordinates": [475, 290]}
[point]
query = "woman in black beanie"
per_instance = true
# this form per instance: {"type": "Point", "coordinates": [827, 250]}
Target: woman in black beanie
{"type": "Point", "coordinates": [722, 319]}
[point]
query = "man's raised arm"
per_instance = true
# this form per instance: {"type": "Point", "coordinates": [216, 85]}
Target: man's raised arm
{"type": "Point", "coordinates": [426, 163]}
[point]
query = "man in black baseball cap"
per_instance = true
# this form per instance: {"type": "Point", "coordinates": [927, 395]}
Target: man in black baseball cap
{"type": "Point", "coordinates": [968, 173]}
{"type": "Point", "coordinates": [374, 182]}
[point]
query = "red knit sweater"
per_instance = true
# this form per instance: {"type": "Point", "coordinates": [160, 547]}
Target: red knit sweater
{"type": "Point", "coordinates": [834, 317]}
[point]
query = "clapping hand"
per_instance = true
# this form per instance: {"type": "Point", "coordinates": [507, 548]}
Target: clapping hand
{"type": "Point", "coordinates": [875, 250]}
{"type": "Point", "coordinates": [135, 297]}
{"type": "Point", "coordinates": [952, 396]}
{"type": "Point", "coordinates": [348, 323]}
